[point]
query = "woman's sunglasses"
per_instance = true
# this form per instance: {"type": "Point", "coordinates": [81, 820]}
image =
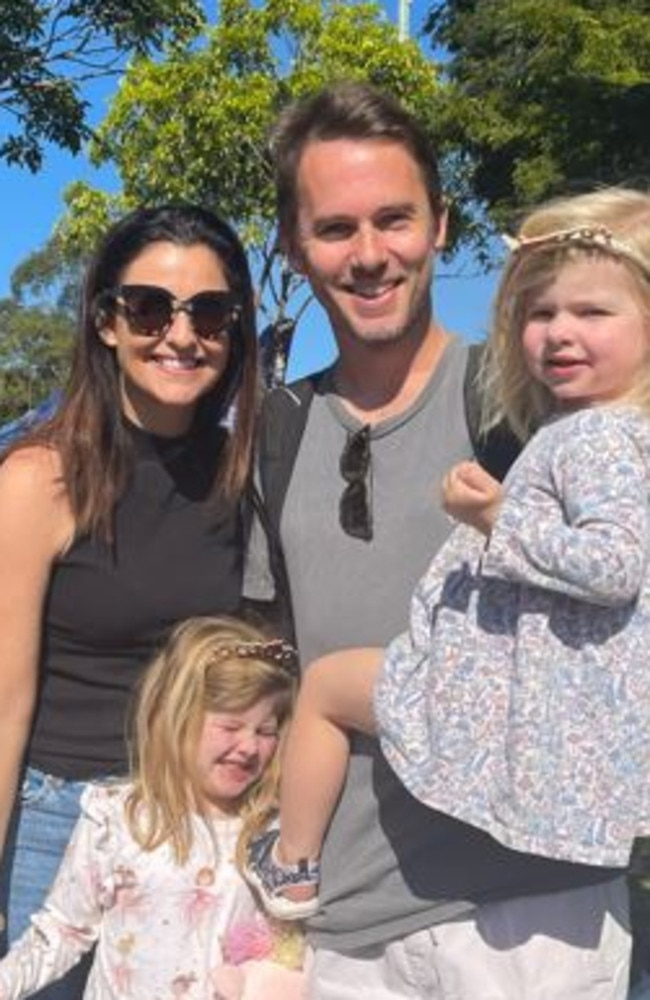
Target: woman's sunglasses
{"type": "Point", "coordinates": [150, 310]}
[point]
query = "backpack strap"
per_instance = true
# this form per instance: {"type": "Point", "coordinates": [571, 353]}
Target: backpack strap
{"type": "Point", "coordinates": [497, 448]}
{"type": "Point", "coordinates": [282, 424]}
{"type": "Point", "coordinates": [283, 420]}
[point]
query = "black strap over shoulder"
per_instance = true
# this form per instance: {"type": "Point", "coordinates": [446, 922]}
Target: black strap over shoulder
{"type": "Point", "coordinates": [284, 417]}
{"type": "Point", "coordinates": [497, 449]}
{"type": "Point", "coordinates": [283, 421]}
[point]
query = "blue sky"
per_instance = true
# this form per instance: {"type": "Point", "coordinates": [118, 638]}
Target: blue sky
{"type": "Point", "coordinates": [31, 204]}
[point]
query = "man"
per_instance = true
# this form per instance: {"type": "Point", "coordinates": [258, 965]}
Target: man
{"type": "Point", "coordinates": [414, 904]}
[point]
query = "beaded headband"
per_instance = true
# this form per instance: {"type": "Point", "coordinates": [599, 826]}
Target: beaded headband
{"type": "Point", "coordinates": [596, 236]}
{"type": "Point", "coordinates": [275, 651]}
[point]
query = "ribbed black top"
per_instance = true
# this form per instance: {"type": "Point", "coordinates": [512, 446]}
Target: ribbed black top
{"type": "Point", "coordinates": [110, 608]}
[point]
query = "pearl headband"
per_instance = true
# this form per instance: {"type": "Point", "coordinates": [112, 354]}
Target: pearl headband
{"type": "Point", "coordinates": [275, 651]}
{"type": "Point", "coordinates": [596, 236]}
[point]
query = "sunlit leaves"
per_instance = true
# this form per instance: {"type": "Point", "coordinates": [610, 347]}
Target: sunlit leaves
{"type": "Point", "coordinates": [195, 126]}
{"type": "Point", "coordinates": [49, 50]}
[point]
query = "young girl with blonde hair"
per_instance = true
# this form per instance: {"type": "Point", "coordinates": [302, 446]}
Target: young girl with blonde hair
{"type": "Point", "coordinates": [519, 699]}
{"type": "Point", "coordinates": [151, 873]}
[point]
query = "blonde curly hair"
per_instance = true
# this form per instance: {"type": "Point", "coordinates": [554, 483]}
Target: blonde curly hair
{"type": "Point", "coordinates": [613, 223]}
{"type": "Point", "coordinates": [208, 665]}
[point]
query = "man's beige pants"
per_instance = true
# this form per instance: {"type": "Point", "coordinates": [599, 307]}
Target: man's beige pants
{"type": "Point", "coordinates": [571, 945]}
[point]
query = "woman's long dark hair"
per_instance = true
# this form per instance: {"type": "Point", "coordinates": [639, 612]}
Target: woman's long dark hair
{"type": "Point", "coordinates": [88, 431]}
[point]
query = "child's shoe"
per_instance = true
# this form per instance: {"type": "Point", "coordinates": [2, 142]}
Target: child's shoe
{"type": "Point", "coordinates": [271, 878]}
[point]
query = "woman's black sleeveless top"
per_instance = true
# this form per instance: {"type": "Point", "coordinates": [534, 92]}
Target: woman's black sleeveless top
{"type": "Point", "coordinates": [110, 608]}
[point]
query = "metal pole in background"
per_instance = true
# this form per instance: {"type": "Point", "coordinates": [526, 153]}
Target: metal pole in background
{"type": "Point", "coordinates": [403, 20]}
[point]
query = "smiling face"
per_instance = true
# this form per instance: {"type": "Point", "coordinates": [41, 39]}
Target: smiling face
{"type": "Point", "coordinates": [366, 237]}
{"type": "Point", "coordinates": [163, 378]}
{"type": "Point", "coordinates": [234, 749]}
{"type": "Point", "coordinates": [586, 336]}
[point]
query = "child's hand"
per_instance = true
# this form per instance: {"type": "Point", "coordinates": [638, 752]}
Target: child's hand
{"type": "Point", "coordinates": [472, 496]}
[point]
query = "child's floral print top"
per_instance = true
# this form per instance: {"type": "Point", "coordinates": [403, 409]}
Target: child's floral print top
{"type": "Point", "coordinates": [163, 931]}
{"type": "Point", "coordinates": [519, 701]}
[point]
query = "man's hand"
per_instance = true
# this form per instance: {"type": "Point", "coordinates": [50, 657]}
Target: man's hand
{"type": "Point", "coordinates": [472, 496]}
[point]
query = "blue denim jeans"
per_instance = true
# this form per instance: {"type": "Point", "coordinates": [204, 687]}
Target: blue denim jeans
{"type": "Point", "coordinates": [43, 820]}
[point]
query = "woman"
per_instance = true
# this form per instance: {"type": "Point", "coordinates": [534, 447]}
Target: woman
{"type": "Point", "coordinates": [118, 518]}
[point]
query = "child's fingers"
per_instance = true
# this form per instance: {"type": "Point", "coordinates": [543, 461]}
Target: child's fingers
{"type": "Point", "coordinates": [463, 477]}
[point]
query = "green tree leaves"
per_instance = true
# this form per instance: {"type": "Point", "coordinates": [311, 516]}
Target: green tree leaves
{"type": "Point", "coordinates": [534, 97]}
{"type": "Point", "coordinates": [48, 50]}
{"type": "Point", "coordinates": [545, 96]}
{"type": "Point", "coordinates": [35, 346]}
{"type": "Point", "coordinates": [196, 126]}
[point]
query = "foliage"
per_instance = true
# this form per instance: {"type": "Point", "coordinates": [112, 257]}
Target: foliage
{"type": "Point", "coordinates": [50, 48]}
{"type": "Point", "coordinates": [37, 325]}
{"type": "Point", "coordinates": [537, 97]}
{"type": "Point", "coordinates": [48, 275]}
{"type": "Point", "coordinates": [545, 96]}
{"type": "Point", "coordinates": [35, 347]}
{"type": "Point", "coordinates": [195, 126]}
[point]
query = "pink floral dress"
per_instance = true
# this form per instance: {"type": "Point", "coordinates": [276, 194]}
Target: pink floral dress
{"type": "Point", "coordinates": [162, 931]}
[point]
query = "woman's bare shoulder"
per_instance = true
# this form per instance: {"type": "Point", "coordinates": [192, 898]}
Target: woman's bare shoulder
{"type": "Point", "coordinates": [37, 465]}
{"type": "Point", "coordinates": [33, 495]}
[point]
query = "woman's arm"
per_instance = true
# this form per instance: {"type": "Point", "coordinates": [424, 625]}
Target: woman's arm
{"type": "Point", "coordinates": [35, 525]}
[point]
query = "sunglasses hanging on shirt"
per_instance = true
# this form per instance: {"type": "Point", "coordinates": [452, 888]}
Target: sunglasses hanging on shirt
{"type": "Point", "coordinates": [355, 512]}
